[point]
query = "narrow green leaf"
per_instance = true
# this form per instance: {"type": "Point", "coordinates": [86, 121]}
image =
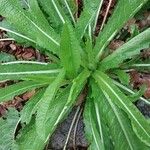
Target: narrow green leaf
{"type": "Point", "coordinates": [9, 92]}
{"type": "Point", "coordinates": [50, 11]}
{"type": "Point", "coordinates": [28, 26]}
{"type": "Point", "coordinates": [5, 57]}
{"type": "Point", "coordinates": [45, 102]}
{"type": "Point", "coordinates": [91, 130]}
{"type": "Point", "coordinates": [29, 139]}
{"type": "Point", "coordinates": [58, 10]}
{"type": "Point", "coordinates": [119, 125]}
{"type": "Point", "coordinates": [77, 87]}
{"type": "Point", "coordinates": [88, 15]}
{"type": "Point", "coordinates": [124, 10]}
{"type": "Point", "coordinates": [140, 124]}
{"type": "Point", "coordinates": [19, 70]}
{"type": "Point", "coordinates": [135, 97]}
{"type": "Point", "coordinates": [70, 10]}
{"type": "Point", "coordinates": [123, 76]}
{"type": "Point", "coordinates": [31, 106]}
{"type": "Point", "coordinates": [70, 51]}
{"type": "Point", "coordinates": [8, 129]}
{"type": "Point", "coordinates": [127, 51]}
{"type": "Point", "coordinates": [129, 91]}
{"type": "Point", "coordinates": [16, 33]}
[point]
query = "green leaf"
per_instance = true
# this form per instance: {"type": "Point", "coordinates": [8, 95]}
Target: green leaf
{"type": "Point", "coordinates": [123, 76]}
{"type": "Point", "coordinates": [26, 25]}
{"type": "Point", "coordinates": [76, 88]}
{"type": "Point", "coordinates": [31, 106]}
{"type": "Point", "coordinates": [93, 126]}
{"type": "Point", "coordinates": [124, 10]}
{"type": "Point", "coordinates": [50, 11]}
{"type": "Point", "coordinates": [19, 70]}
{"type": "Point", "coordinates": [142, 65]}
{"type": "Point", "coordinates": [129, 91]}
{"type": "Point", "coordinates": [134, 97]}
{"type": "Point", "coordinates": [4, 57]}
{"type": "Point", "coordinates": [89, 14]}
{"type": "Point", "coordinates": [8, 129]}
{"type": "Point", "coordinates": [9, 92]}
{"type": "Point", "coordinates": [127, 51]}
{"type": "Point", "coordinates": [12, 32]}
{"type": "Point", "coordinates": [29, 138]}
{"type": "Point", "coordinates": [140, 124]}
{"type": "Point", "coordinates": [45, 102]}
{"type": "Point", "coordinates": [89, 57]}
{"type": "Point", "coordinates": [70, 8]}
{"type": "Point", "coordinates": [70, 51]}
{"type": "Point", "coordinates": [119, 125]}
{"type": "Point", "coordinates": [78, 84]}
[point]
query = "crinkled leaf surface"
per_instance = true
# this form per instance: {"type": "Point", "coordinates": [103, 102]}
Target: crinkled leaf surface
{"type": "Point", "coordinates": [31, 106]}
{"type": "Point", "coordinates": [88, 15]}
{"type": "Point", "coordinates": [8, 129]}
{"type": "Point", "coordinates": [140, 125]}
{"type": "Point", "coordinates": [26, 25]}
{"type": "Point", "coordinates": [18, 71]}
{"type": "Point", "coordinates": [70, 51]}
{"type": "Point", "coordinates": [45, 102]}
{"type": "Point", "coordinates": [119, 125]}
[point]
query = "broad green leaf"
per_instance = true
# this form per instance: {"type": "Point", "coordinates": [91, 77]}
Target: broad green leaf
{"type": "Point", "coordinates": [45, 102]}
{"type": "Point", "coordinates": [31, 106]}
{"type": "Point", "coordinates": [39, 18]}
{"type": "Point", "coordinates": [28, 26]}
{"type": "Point", "coordinates": [90, 13]}
{"type": "Point", "coordinates": [9, 92]}
{"type": "Point", "coordinates": [140, 125]}
{"type": "Point", "coordinates": [124, 10]}
{"type": "Point", "coordinates": [70, 51]}
{"type": "Point", "coordinates": [8, 129]}
{"type": "Point", "coordinates": [37, 14]}
{"type": "Point", "coordinates": [127, 51]}
{"type": "Point", "coordinates": [119, 125]}
{"type": "Point", "coordinates": [19, 70]}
